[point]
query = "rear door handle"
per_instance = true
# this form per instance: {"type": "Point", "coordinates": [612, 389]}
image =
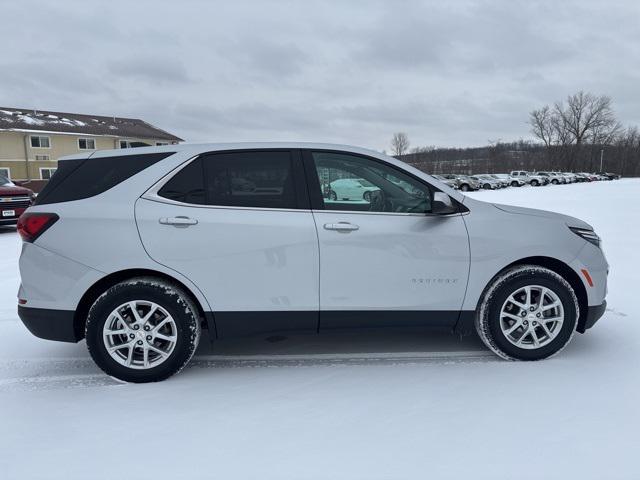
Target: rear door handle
{"type": "Point", "coordinates": [341, 226]}
{"type": "Point", "coordinates": [179, 221]}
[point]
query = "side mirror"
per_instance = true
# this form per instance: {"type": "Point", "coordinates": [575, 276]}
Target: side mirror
{"type": "Point", "coordinates": [443, 204]}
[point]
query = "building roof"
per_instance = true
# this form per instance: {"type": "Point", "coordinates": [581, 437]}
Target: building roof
{"type": "Point", "coordinates": [19, 119]}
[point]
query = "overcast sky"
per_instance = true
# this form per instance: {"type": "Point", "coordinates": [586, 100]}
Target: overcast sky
{"type": "Point", "coordinates": [449, 73]}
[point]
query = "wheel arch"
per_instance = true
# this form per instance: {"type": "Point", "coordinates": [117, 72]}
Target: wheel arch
{"type": "Point", "coordinates": [106, 282]}
{"type": "Point", "coordinates": [562, 269]}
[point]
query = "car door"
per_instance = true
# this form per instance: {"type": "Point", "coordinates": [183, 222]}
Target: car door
{"type": "Point", "coordinates": [239, 226]}
{"type": "Point", "coordinates": [386, 261]}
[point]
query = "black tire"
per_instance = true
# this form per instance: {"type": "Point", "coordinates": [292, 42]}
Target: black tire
{"type": "Point", "coordinates": [168, 296]}
{"type": "Point", "coordinates": [555, 182]}
{"type": "Point", "coordinates": [366, 196]}
{"type": "Point", "coordinates": [486, 186]}
{"type": "Point", "coordinates": [515, 184]}
{"type": "Point", "coordinates": [534, 183]}
{"type": "Point", "coordinates": [464, 187]}
{"type": "Point", "coordinates": [488, 314]}
{"type": "Point", "coordinates": [333, 195]}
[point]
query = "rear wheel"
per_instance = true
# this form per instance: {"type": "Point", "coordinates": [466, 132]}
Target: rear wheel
{"type": "Point", "coordinates": [142, 330]}
{"type": "Point", "coordinates": [535, 183]}
{"type": "Point", "coordinates": [514, 184]}
{"type": "Point", "coordinates": [527, 313]}
{"type": "Point", "coordinates": [333, 195]}
{"type": "Point", "coordinates": [486, 186]}
{"type": "Point", "coordinates": [464, 187]}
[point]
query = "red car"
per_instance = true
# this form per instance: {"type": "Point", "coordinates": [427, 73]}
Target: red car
{"type": "Point", "coordinates": [14, 201]}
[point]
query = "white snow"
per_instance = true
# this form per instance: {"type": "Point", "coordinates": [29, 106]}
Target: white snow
{"type": "Point", "coordinates": [343, 407]}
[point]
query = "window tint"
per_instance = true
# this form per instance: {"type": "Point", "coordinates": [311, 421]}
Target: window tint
{"type": "Point", "coordinates": [353, 183]}
{"type": "Point", "coordinates": [236, 179]}
{"type": "Point", "coordinates": [250, 179]}
{"type": "Point", "coordinates": [84, 178]}
{"type": "Point", "coordinates": [187, 185]}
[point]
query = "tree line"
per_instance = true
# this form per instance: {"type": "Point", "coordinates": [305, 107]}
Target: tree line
{"type": "Point", "coordinates": [579, 134]}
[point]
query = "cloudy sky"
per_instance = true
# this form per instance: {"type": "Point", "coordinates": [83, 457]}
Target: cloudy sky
{"type": "Point", "coordinates": [449, 73]}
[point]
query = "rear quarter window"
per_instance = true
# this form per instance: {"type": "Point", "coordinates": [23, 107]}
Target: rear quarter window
{"type": "Point", "coordinates": [84, 178]}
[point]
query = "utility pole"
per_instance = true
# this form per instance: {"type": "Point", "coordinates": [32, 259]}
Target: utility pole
{"type": "Point", "coordinates": [601, 155]}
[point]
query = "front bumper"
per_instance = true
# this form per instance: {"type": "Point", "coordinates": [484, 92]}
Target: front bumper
{"type": "Point", "coordinates": [50, 324]}
{"type": "Point", "coordinates": [593, 315]}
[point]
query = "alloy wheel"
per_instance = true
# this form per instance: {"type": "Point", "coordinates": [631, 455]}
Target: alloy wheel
{"type": "Point", "coordinates": [531, 317]}
{"type": "Point", "coordinates": [140, 334]}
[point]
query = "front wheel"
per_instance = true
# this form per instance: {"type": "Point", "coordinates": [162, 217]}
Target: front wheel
{"type": "Point", "coordinates": [486, 186]}
{"type": "Point", "coordinates": [464, 187]}
{"type": "Point", "coordinates": [527, 313]}
{"type": "Point", "coordinates": [515, 184]}
{"type": "Point", "coordinates": [142, 330]}
{"type": "Point", "coordinates": [534, 183]}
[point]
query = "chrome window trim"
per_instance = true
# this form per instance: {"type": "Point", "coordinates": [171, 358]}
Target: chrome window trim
{"type": "Point", "coordinates": [152, 195]}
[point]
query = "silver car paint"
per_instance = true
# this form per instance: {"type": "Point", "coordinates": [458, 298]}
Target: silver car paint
{"type": "Point", "coordinates": [98, 236]}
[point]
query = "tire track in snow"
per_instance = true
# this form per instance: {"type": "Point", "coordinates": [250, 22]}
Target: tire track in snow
{"type": "Point", "coordinates": [46, 374]}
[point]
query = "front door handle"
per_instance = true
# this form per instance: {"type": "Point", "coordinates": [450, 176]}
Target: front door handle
{"type": "Point", "coordinates": [179, 221]}
{"type": "Point", "coordinates": [341, 226]}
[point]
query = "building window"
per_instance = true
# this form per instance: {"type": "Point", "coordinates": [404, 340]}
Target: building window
{"type": "Point", "coordinates": [43, 158]}
{"type": "Point", "coordinates": [86, 144]}
{"type": "Point", "coordinates": [46, 173]}
{"type": "Point", "coordinates": [40, 142]}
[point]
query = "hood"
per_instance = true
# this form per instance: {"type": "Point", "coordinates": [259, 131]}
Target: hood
{"type": "Point", "coordinates": [14, 190]}
{"type": "Point", "coordinates": [570, 221]}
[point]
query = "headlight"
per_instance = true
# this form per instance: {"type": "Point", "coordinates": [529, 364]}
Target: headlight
{"type": "Point", "coordinates": [589, 235]}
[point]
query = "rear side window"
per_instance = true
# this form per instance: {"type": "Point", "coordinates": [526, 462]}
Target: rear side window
{"type": "Point", "coordinates": [236, 179]}
{"type": "Point", "coordinates": [84, 178]}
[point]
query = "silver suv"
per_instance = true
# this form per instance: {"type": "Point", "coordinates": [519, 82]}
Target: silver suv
{"type": "Point", "coordinates": [137, 251]}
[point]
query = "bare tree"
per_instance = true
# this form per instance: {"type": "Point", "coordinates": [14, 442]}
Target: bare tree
{"type": "Point", "coordinates": [587, 115]}
{"type": "Point", "coordinates": [543, 125]}
{"type": "Point", "coordinates": [399, 143]}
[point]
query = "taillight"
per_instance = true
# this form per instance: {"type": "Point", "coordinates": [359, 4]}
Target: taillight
{"type": "Point", "coordinates": [33, 224]}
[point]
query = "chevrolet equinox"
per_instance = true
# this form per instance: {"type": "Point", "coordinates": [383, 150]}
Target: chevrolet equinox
{"type": "Point", "coordinates": [137, 251]}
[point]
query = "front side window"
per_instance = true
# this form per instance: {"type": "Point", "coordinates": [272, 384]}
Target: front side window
{"type": "Point", "coordinates": [86, 144]}
{"type": "Point", "coordinates": [354, 183]}
{"type": "Point", "coordinates": [236, 179]}
{"type": "Point", "coordinates": [40, 142]}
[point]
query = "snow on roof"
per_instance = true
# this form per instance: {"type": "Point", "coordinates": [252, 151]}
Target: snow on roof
{"type": "Point", "coordinates": [58, 122]}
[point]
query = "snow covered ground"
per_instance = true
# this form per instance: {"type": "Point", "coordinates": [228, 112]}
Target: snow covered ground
{"type": "Point", "coordinates": [356, 406]}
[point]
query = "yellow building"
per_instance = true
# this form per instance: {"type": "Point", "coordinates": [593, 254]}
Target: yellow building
{"type": "Point", "coordinates": [31, 141]}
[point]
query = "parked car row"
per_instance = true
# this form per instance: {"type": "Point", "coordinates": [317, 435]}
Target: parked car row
{"type": "Point", "coordinates": [519, 178]}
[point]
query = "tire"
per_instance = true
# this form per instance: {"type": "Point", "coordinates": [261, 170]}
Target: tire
{"type": "Point", "coordinates": [174, 318]}
{"type": "Point", "coordinates": [515, 184]}
{"type": "Point", "coordinates": [366, 196]}
{"type": "Point", "coordinates": [555, 182]}
{"type": "Point", "coordinates": [491, 324]}
{"type": "Point", "coordinates": [486, 186]}
{"type": "Point", "coordinates": [464, 187]}
{"type": "Point", "coordinates": [534, 183]}
{"type": "Point", "coordinates": [333, 195]}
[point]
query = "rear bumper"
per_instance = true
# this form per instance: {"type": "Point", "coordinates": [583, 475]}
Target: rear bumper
{"type": "Point", "coordinates": [50, 324]}
{"type": "Point", "coordinates": [593, 315]}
